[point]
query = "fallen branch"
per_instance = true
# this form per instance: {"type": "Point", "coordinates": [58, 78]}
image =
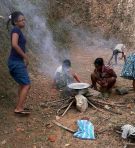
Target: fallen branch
{"type": "Point", "coordinates": [64, 127]}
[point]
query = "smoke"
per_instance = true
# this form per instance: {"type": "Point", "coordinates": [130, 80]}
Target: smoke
{"type": "Point", "coordinates": [40, 35]}
{"type": "Point", "coordinates": [37, 31]}
{"type": "Point", "coordinates": [83, 37]}
{"type": "Point", "coordinates": [87, 40]}
{"type": "Point", "coordinates": [6, 7]}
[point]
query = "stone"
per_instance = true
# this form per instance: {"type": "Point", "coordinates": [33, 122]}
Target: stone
{"type": "Point", "coordinates": [52, 138]}
{"type": "Point", "coordinates": [3, 142]}
{"type": "Point", "coordinates": [121, 91]}
{"type": "Point", "coordinates": [94, 93]}
{"type": "Point", "coordinates": [66, 145]}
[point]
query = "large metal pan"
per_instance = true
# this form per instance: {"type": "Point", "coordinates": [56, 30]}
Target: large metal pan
{"type": "Point", "coordinates": [78, 86]}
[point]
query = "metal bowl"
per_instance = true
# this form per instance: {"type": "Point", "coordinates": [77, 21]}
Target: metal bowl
{"type": "Point", "coordinates": [78, 86]}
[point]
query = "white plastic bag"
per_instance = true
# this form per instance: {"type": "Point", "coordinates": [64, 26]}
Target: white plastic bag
{"type": "Point", "coordinates": [127, 130]}
{"type": "Point", "coordinates": [81, 103]}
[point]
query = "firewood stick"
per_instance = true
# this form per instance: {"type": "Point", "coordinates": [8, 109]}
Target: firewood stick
{"type": "Point", "coordinates": [130, 144]}
{"type": "Point", "coordinates": [64, 127]}
{"type": "Point", "coordinates": [102, 131]}
{"type": "Point", "coordinates": [104, 108]}
{"type": "Point", "coordinates": [103, 102]}
{"type": "Point", "coordinates": [67, 108]}
{"type": "Point", "coordinates": [112, 111]}
{"type": "Point", "coordinates": [118, 132]}
{"type": "Point", "coordinates": [119, 103]}
{"type": "Point", "coordinates": [95, 106]}
{"type": "Point", "coordinates": [102, 122]}
{"type": "Point", "coordinates": [55, 101]}
{"type": "Point", "coordinates": [62, 107]}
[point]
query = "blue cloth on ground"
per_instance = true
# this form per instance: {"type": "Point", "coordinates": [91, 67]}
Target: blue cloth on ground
{"type": "Point", "coordinates": [18, 71]}
{"type": "Point", "coordinates": [85, 131]}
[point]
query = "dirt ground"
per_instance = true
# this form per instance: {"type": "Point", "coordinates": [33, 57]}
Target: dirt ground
{"type": "Point", "coordinates": [38, 131]}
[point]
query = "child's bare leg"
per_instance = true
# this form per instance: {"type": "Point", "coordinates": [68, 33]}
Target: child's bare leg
{"type": "Point", "coordinates": [110, 59]}
{"type": "Point", "coordinates": [23, 91]}
{"type": "Point", "coordinates": [116, 55]}
{"type": "Point", "coordinates": [94, 80]}
{"type": "Point", "coordinates": [111, 82]}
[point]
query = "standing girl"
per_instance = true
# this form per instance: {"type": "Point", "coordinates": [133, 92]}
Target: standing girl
{"type": "Point", "coordinates": [18, 60]}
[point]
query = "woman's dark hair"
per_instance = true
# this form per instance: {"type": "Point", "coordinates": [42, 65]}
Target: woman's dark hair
{"type": "Point", "coordinates": [99, 62]}
{"type": "Point", "coordinates": [66, 63]}
{"type": "Point", "coordinates": [13, 17]}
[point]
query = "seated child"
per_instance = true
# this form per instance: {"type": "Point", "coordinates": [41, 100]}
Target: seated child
{"type": "Point", "coordinates": [64, 75]}
{"type": "Point", "coordinates": [103, 75]}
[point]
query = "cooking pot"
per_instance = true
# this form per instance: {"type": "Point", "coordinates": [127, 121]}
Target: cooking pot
{"type": "Point", "coordinates": [80, 88]}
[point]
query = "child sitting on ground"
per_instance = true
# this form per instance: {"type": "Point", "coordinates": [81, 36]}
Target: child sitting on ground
{"type": "Point", "coordinates": [103, 75]}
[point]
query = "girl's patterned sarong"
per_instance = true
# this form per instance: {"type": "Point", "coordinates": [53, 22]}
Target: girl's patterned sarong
{"type": "Point", "coordinates": [128, 71]}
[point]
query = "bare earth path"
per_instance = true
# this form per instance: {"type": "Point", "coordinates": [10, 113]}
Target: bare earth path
{"type": "Point", "coordinates": [34, 131]}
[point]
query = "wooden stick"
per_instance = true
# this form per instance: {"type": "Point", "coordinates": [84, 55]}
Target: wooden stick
{"type": "Point", "coordinates": [102, 121]}
{"type": "Point", "coordinates": [112, 111]}
{"type": "Point", "coordinates": [119, 103]}
{"type": "Point", "coordinates": [118, 132]}
{"type": "Point", "coordinates": [67, 108]}
{"type": "Point", "coordinates": [104, 108]}
{"type": "Point", "coordinates": [129, 145]}
{"type": "Point", "coordinates": [55, 101]}
{"type": "Point", "coordinates": [62, 107]}
{"type": "Point", "coordinates": [103, 102]}
{"type": "Point", "coordinates": [95, 106]}
{"type": "Point", "coordinates": [64, 127]}
{"type": "Point", "coordinates": [102, 131]}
